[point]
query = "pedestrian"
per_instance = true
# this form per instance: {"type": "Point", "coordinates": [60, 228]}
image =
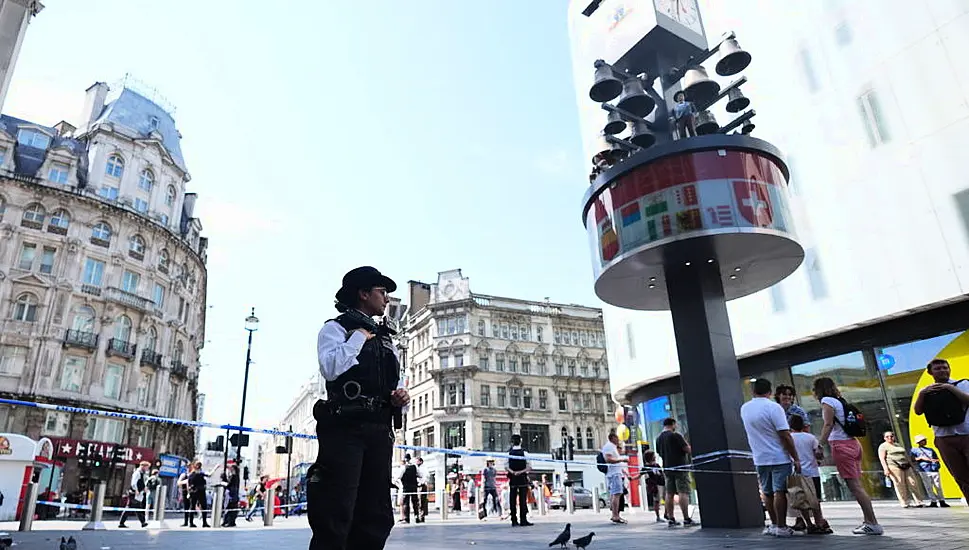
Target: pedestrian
{"type": "Point", "coordinates": [422, 486]}
{"type": "Point", "coordinates": [845, 451]}
{"type": "Point", "coordinates": [809, 451]}
{"type": "Point", "coordinates": [928, 465]}
{"type": "Point", "coordinates": [259, 498]}
{"type": "Point", "coordinates": [347, 487]}
{"type": "Point", "coordinates": [614, 473]}
{"type": "Point", "coordinates": [408, 484]}
{"type": "Point", "coordinates": [518, 469]}
{"type": "Point", "coordinates": [232, 500]}
{"type": "Point", "coordinates": [488, 477]}
{"type": "Point", "coordinates": [897, 466]}
{"type": "Point", "coordinates": [136, 495]}
{"type": "Point", "coordinates": [182, 484]}
{"type": "Point", "coordinates": [197, 485]}
{"type": "Point", "coordinates": [655, 482]}
{"type": "Point", "coordinates": [151, 489]}
{"type": "Point", "coordinates": [786, 396]}
{"type": "Point", "coordinates": [672, 447]}
{"type": "Point", "coordinates": [945, 405]}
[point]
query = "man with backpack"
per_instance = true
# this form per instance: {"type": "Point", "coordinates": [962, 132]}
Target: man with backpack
{"type": "Point", "coordinates": [945, 405]}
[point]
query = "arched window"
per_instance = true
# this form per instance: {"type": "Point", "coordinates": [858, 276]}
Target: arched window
{"type": "Point", "coordinates": [122, 332]}
{"type": "Point", "coordinates": [59, 221]}
{"type": "Point", "coordinates": [115, 166]}
{"type": "Point", "coordinates": [147, 179]}
{"type": "Point", "coordinates": [590, 441]}
{"type": "Point", "coordinates": [34, 215]}
{"type": "Point", "coordinates": [101, 232]}
{"type": "Point", "coordinates": [151, 340]}
{"type": "Point", "coordinates": [25, 308]}
{"type": "Point", "coordinates": [179, 352]}
{"type": "Point", "coordinates": [170, 196]}
{"type": "Point", "coordinates": [84, 319]}
{"type": "Point", "coordinates": [136, 247]}
{"type": "Point", "coordinates": [578, 438]}
{"type": "Point", "coordinates": [163, 261]}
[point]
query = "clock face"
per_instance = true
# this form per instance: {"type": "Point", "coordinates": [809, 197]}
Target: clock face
{"type": "Point", "coordinates": [684, 12]}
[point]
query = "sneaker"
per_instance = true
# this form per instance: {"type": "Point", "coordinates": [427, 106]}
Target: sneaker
{"type": "Point", "coordinates": [869, 529]}
{"type": "Point", "coordinates": [944, 504]}
{"type": "Point", "coordinates": [783, 532]}
{"type": "Point", "coordinates": [688, 522]}
{"type": "Point", "coordinates": [769, 530]}
{"type": "Point", "coordinates": [661, 520]}
{"type": "Point", "coordinates": [934, 505]}
{"type": "Point", "coordinates": [672, 523]}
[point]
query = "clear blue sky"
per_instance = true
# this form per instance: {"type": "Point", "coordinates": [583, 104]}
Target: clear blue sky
{"type": "Point", "coordinates": [413, 136]}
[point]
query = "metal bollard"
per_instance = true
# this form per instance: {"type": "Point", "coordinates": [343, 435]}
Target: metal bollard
{"type": "Point", "coordinates": [270, 508]}
{"type": "Point", "coordinates": [595, 501]}
{"type": "Point", "coordinates": [161, 496]}
{"type": "Point", "coordinates": [442, 503]}
{"type": "Point", "coordinates": [217, 504]}
{"type": "Point", "coordinates": [643, 501]}
{"type": "Point", "coordinates": [569, 503]}
{"type": "Point", "coordinates": [97, 510]}
{"type": "Point", "coordinates": [30, 506]}
{"type": "Point", "coordinates": [542, 505]}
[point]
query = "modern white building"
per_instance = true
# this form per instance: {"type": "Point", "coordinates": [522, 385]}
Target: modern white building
{"type": "Point", "coordinates": [481, 368]}
{"type": "Point", "coordinates": [102, 284]}
{"type": "Point", "coordinates": [299, 416]}
{"type": "Point", "coordinates": [869, 100]}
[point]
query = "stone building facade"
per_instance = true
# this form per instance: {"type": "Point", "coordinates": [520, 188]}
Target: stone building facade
{"type": "Point", "coordinates": [102, 285]}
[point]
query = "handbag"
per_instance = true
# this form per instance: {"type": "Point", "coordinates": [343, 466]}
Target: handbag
{"type": "Point", "coordinates": [903, 465]}
{"type": "Point", "coordinates": [800, 493]}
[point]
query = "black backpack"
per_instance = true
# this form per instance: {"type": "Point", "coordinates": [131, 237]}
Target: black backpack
{"type": "Point", "coordinates": [944, 409]}
{"type": "Point", "coordinates": [854, 424]}
{"type": "Point", "coordinates": [601, 464]}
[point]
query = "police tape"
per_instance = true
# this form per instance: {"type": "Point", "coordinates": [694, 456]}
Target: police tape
{"type": "Point", "coordinates": [151, 511]}
{"type": "Point", "coordinates": [704, 459]}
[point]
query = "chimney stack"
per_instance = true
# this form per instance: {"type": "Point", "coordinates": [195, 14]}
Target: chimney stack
{"type": "Point", "coordinates": [93, 103]}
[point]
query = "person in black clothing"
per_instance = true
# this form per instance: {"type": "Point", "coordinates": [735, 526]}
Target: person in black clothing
{"type": "Point", "coordinates": [232, 501]}
{"type": "Point", "coordinates": [675, 451]}
{"type": "Point", "coordinates": [347, 487]}
{"type": "Point", "coordinates": [196, 493]}
{"type": "Point", "coordinates": [518, 482]}
{"type": "Point", "coordinates": [422, 487]}
{"type": "Point", "coordinates": [408, 484]}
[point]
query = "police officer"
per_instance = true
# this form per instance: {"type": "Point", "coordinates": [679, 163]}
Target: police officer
{"type": "Point", "coordinates": [348, 499]}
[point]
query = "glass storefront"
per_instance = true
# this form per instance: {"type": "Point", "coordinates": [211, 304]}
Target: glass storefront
{"type": "Point", "coordinates": [879, 381]}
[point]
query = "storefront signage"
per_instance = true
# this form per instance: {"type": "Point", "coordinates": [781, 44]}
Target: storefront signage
{"type": "Point", "coordinates": [73, 448]}
{"type": "Point", "coordinates": [171, 465]}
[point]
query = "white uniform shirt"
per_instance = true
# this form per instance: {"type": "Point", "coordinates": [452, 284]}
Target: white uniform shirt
{"type": "Point", "coordinates": [337, 353]}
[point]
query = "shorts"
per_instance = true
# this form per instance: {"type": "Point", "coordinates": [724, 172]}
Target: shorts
{"type": "Point", "coordinates": [847, 457]}
{"type": "Point", "coordinates": [677, 481]}
{"type": "Point", "coordinates": [773, 477]}
{"type": "Point", "coordinates": [654, 496]}
{"type": "Point", "coordinates": [614, 482]}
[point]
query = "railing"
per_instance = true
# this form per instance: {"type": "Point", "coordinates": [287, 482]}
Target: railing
{"type": "Point", "coordinates": [31, 224]}
{"type": "Point", "coordinates": [121, 348]}
{"type": "Point", "coordinates": [81, 339]}
{"type": "Point", "coordinates": [56, 229]}
{"type": "Point", "coordinates": [91, 289]}
{"type": "Point", "coordinates": [151, 357]}
{"type": "Point", "coordinates": [129, 299]}
{"type": "Point", "coordinates": [178, 369]}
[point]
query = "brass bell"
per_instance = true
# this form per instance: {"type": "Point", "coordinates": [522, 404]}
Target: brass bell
{"type": "Point", "coordinates": [733, 58]}
{"type": "Point", "coordinates": [642, 136]}
{"type": "Point", "coordinates": [747, 128]}
{"type": "Point", "coordinates": [606, 86]}
{"type": "Point", "coordinates": [706, 123]}
{"type": "Point", "coordinates": [699, 87]}
{"type": "Point", "coordinates": [614, 124]}
{"type": "Point", "coordinates": [634, 98]}
{"type": "Point", "coordinates": [736, 101]}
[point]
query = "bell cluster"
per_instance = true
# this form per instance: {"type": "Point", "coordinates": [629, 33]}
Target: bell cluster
{"type": "Point", "coordinates": [637, 100]}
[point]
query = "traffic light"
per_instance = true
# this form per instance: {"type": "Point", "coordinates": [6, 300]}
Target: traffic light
{"type": "Point", "coordinates": [217, 445]}
{"type": "Point", "coordinates": [245, 474]}
{"type": "Point", "coordinates": [286, 448]}
{"type": "Point", "coordinates": [571, 448]}
{"type": "Point", "coordinates": [81, 452]}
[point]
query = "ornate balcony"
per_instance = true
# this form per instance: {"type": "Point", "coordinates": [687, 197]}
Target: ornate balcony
{"type": "Point", "coordinates": [91, 289]}
{"type": "Point", "coordinates": [81, 339]}
{"type": "Point", "coordinates": [152, 358]}
{"type": "Point", "coordinates": [121, 348]}
{"type": "Point", "coordinates": [129, 299]}
{"type": "Point", "coordinates": [180, 370]}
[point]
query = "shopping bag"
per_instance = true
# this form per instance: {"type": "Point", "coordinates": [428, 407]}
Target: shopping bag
{"type": "Point", "coordinates": [800, 493]}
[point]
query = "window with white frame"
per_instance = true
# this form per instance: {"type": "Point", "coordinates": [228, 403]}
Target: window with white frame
{"type": "Point", "coordinates": [93, 272]}
{"type": "Point", "coordinates": [136, 245]}
{"type": "Point", "coordinates": [101, 232]}
{"type": "Point", "coordinates": [144, 387]}
{"type": "Point", "coordinates": [57, 173]}
{"type": "Point", "coordinates": [163, 261]}
{"type": "Point", "coordinates": [28, 251]}
{"type": "Point", "coordinates": [146, 180]}
{"type": "Point", "coordinates": [113, 378]}
{"type": "Point", "coordinates": [172, 399]}
{"type": "Point", "coordinates": [25, 308]}
{"type": "Point", "coordinates": [151, 339]}
{"type": "Point", "coordinates": [122, 329]}
{"type": "Point", "coordinates": [84, 319]}
{"type": "Point", "coordinates": [72, 374]}
{"type": "Point", "coordinates": [163, 218]}
{"type": "Point", "coordinates": [109, 192]}
{"type": "Point", "coordinates": [57, 424]}
{"type": "Point", "coordinates": [47, 258]}
{"type": "Point", "coordinates": [109, 430]}
{"type": "Point", "coordinates": [158, 296]}
{"type": "Point", "coordinates": [170, 196]}
{"type": "Point", "coordinates": [12, 360]}
{"type": "Point", "coordinates": [115, 166]}
{"type": "Point", "coordinates": [33, 138]}
{"type": "Point", "coordinates": [145, 435]}
{"type": "Point", "coordinates": [141, 205]}
{"type": "Point", "coordinates": [130, 281]}
{"type": "Point", "coordinates": [60, 219]}
{"type": "Point", "coordinates": [35, 214]}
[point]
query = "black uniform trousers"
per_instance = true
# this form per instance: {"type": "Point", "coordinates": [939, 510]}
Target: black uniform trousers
{"type": "Point", "coordinates": [348, 495]}
{"type": "Point", "coordinates": [412, 501]}
{"type": "Point", "coordinates": [518, 499]}
{"type": "Point", "coordinates": [197, 498]}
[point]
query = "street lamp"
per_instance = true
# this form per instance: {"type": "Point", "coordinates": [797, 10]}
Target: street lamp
{"type": "Point", "coordinates": [252, 325]}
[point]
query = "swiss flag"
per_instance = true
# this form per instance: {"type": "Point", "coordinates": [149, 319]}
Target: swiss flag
{"type": "Point", "coordinates": [753, 202]}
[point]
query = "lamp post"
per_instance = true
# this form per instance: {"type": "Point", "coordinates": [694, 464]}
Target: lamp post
{"type": "Point", "coordinates": [252, 325]}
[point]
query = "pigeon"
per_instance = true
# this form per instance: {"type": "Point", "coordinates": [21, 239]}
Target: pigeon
{"type": "Point", "coordinates": [71, 543]}
{"type": "Point", "coordinates": [563, 539]}
{"type": "Point", "coordinates": [63, 545]}
{"type": "Point", "coordinates": [583, 542]}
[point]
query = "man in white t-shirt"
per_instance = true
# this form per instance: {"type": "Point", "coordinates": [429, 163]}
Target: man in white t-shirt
{"type": "Point", "coordinates": [953, 440]}
{"type": "Point", "coordinates": [610, 451]}
{"type": "Point", "coordinates": [770, 441]}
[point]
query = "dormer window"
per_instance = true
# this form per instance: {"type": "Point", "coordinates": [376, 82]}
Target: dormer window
{"type": "Point", "coordinates": [57, 173]}
{"type": "Point", "coordinates": [153, 123]}
{"type": "Point", "coordinates": [115, 166]}
{"type": "Point", "coordinates": [33, 138]}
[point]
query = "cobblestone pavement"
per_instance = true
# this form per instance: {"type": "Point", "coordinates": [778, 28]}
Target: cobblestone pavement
{"type": "Point", "coordinates": [904, 529]}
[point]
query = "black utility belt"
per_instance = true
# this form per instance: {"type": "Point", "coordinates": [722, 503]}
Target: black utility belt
{"type": "Point", "coordinates": [361, 409]}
